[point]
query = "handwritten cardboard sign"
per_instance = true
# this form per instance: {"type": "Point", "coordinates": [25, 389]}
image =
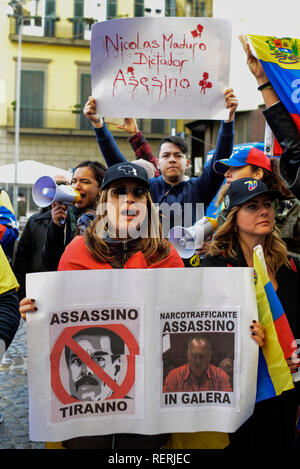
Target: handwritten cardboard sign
{"type": "Point", "coordinates": [170, 68]}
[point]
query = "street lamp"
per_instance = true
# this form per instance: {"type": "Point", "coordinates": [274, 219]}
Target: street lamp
{"type": "Point", "coordinates": [17, 7]}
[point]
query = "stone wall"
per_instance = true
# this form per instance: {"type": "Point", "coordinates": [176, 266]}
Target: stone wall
{"type": "Point", "coordinates": [64, 151]}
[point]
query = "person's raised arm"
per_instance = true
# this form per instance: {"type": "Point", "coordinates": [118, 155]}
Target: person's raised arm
{"type": "Point", "coordinates": [105, 140]}
{"type": "Point", "coordinates": [281, 123]}
{"type": "Point", "coordinates": [138, 143]}
{"type": "Point", "coordinates": [231, 103]}
{"type": "Point", "coordinates": [129, 125]}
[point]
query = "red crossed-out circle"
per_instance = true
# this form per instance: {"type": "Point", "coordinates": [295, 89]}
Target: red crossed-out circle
{"type": "Point", "coordinates": [65, 339]}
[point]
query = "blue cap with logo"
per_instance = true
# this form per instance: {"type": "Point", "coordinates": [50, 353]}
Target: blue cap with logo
{"type": "Point", "coordinates": [125, 170]}
{"type": "Point", "coordinates": [244, 189]}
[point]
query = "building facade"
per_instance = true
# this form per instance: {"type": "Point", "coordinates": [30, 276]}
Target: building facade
{"type": "Point", "coordinates": [55, 80]}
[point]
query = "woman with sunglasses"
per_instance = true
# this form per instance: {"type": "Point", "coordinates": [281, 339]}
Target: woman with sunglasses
{"type": "Point", "coordinates": [126, 233]}
{"type": "Point", "coordinates": [251, 221]}
{"type": "Point", "coordinates": [249, 161]}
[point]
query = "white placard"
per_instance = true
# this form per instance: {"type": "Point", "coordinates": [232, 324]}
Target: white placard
{"type": "Point", "coordinates": [166, 68]}
{"type": "Point", "coordinates": [154, 312]}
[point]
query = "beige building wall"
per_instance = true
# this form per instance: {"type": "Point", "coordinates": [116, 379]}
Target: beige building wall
{"type": "Point", "coordinates": [63, 58]}
{"type": "Point", "coordinates": [64, 151]}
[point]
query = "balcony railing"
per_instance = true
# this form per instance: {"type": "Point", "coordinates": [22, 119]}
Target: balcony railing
{"type": "Point", "coordinates": [51, 119]}
{"type": "Point", "coordinates": [36, 26]}
{"type": "Point", "coordinates": [53, 27]}
{"type": "Point", "coordinates": [69, 121]}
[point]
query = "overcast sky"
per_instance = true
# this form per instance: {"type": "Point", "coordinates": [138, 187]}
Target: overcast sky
{"type": "Point", "coordinates": [264, 17]}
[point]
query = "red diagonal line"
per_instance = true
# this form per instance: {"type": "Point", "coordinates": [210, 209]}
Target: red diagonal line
{"type": "Point", "coordinates": [90, 363]}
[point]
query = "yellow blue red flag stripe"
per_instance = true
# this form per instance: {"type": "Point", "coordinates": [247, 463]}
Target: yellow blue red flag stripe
{"type": "Point", "coordinates": [280, 58]}
{"type": "Point", "coordinates": [273, 375]}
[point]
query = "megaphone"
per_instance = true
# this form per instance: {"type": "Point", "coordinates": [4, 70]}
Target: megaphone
{"type": "Point", "coordinates": [45, 191]}
{"type": "Point", "coordinates": [187, 240]}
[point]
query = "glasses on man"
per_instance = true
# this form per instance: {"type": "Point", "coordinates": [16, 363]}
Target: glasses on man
{"type": "Point", "coordinates": [137, 192]}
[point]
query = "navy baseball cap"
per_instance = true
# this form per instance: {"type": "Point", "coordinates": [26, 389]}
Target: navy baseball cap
{"type": "Point", "coordinates": [242, 156]}
{"type": "Point", "coordinates": [125, 170]}
{"type": "Point", "coordinates": [242, 190]}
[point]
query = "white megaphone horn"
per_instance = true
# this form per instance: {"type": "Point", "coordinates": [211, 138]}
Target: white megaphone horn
{"type": "Point", "coordinates": [45, 191]}
{"type": "Point", "coordinates": [187, 240]}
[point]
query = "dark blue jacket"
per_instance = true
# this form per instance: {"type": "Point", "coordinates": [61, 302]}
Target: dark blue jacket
{"type": "Point", "coordinates": [196, 190]}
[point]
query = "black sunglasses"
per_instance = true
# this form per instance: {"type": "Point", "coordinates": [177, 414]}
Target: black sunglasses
{"type": "Point", "coordinates": [137, 192]}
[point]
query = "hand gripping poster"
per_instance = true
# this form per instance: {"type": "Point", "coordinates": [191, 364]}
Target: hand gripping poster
{"type": "Point", "coordinates": [167, 68]}
{"type": "Point", "coordinates": [140, 351]}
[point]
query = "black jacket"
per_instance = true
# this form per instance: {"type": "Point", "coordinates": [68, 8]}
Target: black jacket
{"type": "Point", "coordinates": [28, 257]}
{"type": "Point", "coordinates": [9, 316]}
{"type": "Point", "coordinates": [288, 137]}
{"type": "Point", "coordinates": [272, 424]}
{"type": "Point", "coordinates": [288, 281]}
{"type": "Point", "coordinates": [58, 237]}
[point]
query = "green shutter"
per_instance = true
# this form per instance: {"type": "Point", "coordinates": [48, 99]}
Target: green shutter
{"type": "Point", "coordinates": [139, 8]}
{"type": "Point", "coordinates": [158, 126]}
{"type": "Point", "coordinates": [111, 7]}
{"type": "Point", "coordinates": [85, 92]}
{"type": "Point", "coordinates": [78, 8]}
{"type": "Point", "coordinates": [50, 7]}
{"type": "Point", "coordinates": [170, 7]}
{"type": "Point", "coordinates": [49, 25]}
{"type": "Point", "coordinates": [32, 98]}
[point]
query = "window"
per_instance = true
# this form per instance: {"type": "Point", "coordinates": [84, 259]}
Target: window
{"type": "Point", "coordinates": [138, 7]}
{"type": "Point", "coordinates": [34, 15]}
{"type": "Point", "coordinates": [157, 126]}
{"type": "Point", "coordinates": [33, 101]}
{"type": "Point", "coordinates": [200, 9]}
{"type": "Point", "coordinates": [78, 25]}
{"type": "Point", "coordinates": [32, 98]}
{"type": "Point", "coordinates": [49, 23]}
{"type": "Point", "coordinates": [87, 12]}
{"type": "Point", "coordinates": [170, 7]}
{"type": "Point", "coordinates": [39, 18]}
{"type": "Point", "coordinates": [195, 8]}
{"type": "Point", "coordinates": [111, 9]}
{"type": "Point", "coordinates": [84, 93]}
{"type": "Point", "coordinates": [154, 126]}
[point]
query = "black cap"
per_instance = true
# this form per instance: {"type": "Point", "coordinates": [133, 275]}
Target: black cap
{"type": "Point", "coordinates": [242, 190]}
{"type": "Point", "coordinates": [125, 170]}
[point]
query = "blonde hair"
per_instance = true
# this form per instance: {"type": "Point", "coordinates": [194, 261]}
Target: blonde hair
{"type": "Point", "coordinates": [154, 246]}
{"type": "Point", "coordinates": [226, 241]}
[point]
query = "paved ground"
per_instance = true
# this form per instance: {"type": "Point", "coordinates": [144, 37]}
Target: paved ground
{"type": "Point", "coordinates": [14, 429]}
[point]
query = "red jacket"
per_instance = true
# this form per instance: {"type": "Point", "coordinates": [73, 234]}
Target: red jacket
{"type": "Point", "coordinates": [77, 257]}
{"type": "Point", "coordinates": [182, 379]}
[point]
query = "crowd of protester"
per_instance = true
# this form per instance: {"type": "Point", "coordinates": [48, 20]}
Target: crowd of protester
{"type": "Point", "coordinates": [78, 237]}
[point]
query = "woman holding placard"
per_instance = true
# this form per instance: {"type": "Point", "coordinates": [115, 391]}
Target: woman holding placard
{"type": "Point", "coordinates": [125, 234]}
{"type": "Point", "coordinates": [250, 222]}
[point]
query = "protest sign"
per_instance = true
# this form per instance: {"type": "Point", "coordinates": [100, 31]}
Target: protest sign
{"type": "Point", "coordinates": [104, 345]}
{"type": "Point", "coordinates": [170, 68]}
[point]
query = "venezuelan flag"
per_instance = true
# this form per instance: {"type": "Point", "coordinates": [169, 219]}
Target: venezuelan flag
{"type": "Point", "coordinates": [280, 58]}
{"type": "Point", "coordinates": [273, 375]}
